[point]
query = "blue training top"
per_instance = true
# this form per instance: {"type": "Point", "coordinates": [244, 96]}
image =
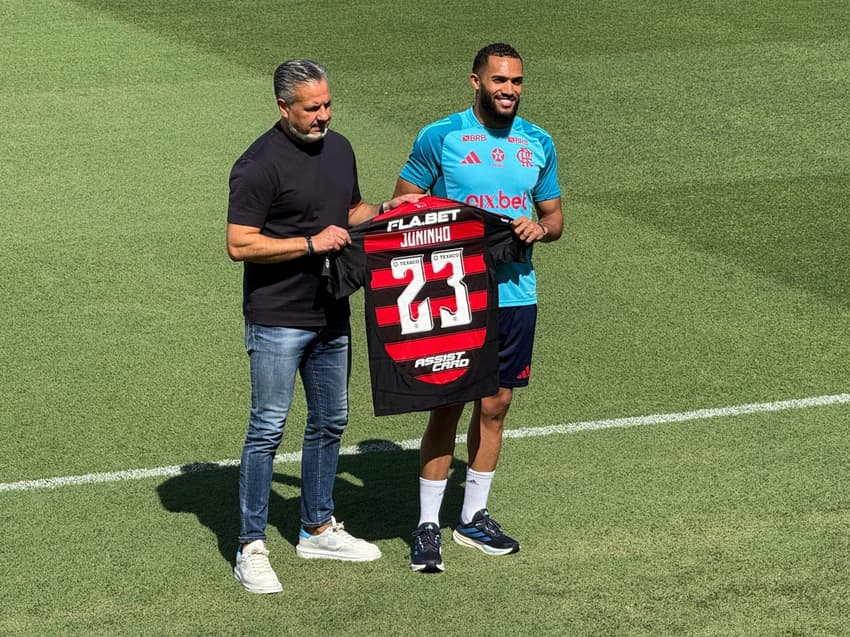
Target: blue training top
{"type": "Point", "coordinates": [504, 170]}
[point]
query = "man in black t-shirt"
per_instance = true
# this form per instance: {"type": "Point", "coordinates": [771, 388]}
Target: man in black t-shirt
{"type": "Point", "coordinates": [293, 194]}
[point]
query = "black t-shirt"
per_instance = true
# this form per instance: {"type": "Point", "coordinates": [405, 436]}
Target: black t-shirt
{"type": "Point", "coordinates": [428, 270]}
{"type": "Point", "coordinates": [292, 190]}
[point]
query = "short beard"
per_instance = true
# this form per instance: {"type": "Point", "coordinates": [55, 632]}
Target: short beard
{"type": "Point", "coordinates": [304, 138]}
{"type": "Point", "coordinates": [488, 105]}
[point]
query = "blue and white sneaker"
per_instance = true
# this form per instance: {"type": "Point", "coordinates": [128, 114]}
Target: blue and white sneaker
{"type": "Point", "coordinates": [426, 554]}
{"type": "Point", "coordinates": [485, 534]}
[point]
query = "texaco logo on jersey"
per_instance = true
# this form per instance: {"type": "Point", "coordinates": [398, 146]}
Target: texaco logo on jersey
{"type": "Point", "coordinates": [498, 155]}
{"type": "Point", "coordinates": [525, 158]}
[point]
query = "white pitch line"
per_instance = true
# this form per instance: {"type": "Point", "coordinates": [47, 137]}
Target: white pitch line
{"type": "Point", "coordinates": [385, 446]}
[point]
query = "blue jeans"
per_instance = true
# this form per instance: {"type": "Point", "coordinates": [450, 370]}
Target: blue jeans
{"type": "Point", "coordinates": [276, 354]}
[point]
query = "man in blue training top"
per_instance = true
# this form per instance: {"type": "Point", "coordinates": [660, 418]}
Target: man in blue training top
{"type": "Point", "coordinates": [488, 157]}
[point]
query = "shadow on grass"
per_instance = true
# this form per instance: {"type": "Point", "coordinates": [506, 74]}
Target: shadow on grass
{"type": "Point", "coordinates": [376, 495]}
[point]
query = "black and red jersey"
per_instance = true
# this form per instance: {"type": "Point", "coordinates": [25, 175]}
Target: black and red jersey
{"type": "Point", "coordinates": [431, 301]}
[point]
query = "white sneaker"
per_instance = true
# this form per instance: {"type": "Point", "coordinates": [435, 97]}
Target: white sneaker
{"type": "Point", "coordinates": [335, 543]}
{"type": "Point", "coordinates": [254, 571]}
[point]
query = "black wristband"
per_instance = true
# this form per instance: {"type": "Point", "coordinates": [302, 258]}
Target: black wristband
{"type": "Point", "coordinates": [310, 250]}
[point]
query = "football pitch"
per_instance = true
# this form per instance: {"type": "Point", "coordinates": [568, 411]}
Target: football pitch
{"type": "Point", "coordinates": [679, 463]}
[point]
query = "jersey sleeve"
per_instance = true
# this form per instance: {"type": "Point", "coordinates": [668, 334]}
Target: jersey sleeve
{"type": "Point", "coordinates": [547, 184]}
{"type": "Point", "coordinates": [504, 246]}
{"type": "Point", "coordinates": [251, 193]}
{"type": "Point", "coordinates": [345, 271]}
{"type": "Point", "coordinates": [422, 168]}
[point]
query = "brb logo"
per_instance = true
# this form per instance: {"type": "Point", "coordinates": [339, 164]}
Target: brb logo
{"type": "Point", "coordinates": [499, 201]}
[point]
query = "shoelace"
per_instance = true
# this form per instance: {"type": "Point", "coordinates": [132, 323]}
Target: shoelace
{"type": "Point", "coordinates": [338, 528]}
{"type": "Point", "coordinates": [259, 561]}
{"type": "Point", "coordinates": [427, 538]}
{"type": "Point", "coordinates": [491, 526]}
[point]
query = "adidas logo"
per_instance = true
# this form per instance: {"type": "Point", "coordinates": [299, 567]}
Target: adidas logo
{"type": "Point", "coordinates": [524, 373]}
{"type": "Point", "coordinates": [471, 158]}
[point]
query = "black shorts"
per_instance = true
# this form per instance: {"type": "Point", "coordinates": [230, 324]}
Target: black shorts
{"type": "Point", "coordinates": [516, 341]}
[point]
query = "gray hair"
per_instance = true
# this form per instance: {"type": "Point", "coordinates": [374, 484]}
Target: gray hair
{"type": "Point", "coordinates": [293, 73]}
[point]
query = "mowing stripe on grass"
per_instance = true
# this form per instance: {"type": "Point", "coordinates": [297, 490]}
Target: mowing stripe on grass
{"type": "Point", "coordinates": [384, 446]}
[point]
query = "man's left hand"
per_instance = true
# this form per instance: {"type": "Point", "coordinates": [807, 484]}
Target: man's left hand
{"type": "Point", "coordinates": [528, 230]}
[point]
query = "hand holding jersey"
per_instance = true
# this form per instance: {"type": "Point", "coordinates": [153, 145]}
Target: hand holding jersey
{"type": "Point", "coordinates": [330, 239]}
{"type": "Point", "coordinates": [528, 230]}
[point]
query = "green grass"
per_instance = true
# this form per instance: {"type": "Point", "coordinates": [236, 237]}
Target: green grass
{"type": "Point", "coordinates": [704, 164]}
{"type": "Point", "coordinates": [672, 530]}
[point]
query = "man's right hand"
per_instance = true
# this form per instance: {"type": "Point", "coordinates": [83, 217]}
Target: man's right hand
{"type": "Point", "coordinates": [330, 239]}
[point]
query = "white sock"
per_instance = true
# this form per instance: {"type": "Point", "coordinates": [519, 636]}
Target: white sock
{"type": "Point", "coordinates": [475, 495]}
{"type": "Point", "coordinates": [430, 500]}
